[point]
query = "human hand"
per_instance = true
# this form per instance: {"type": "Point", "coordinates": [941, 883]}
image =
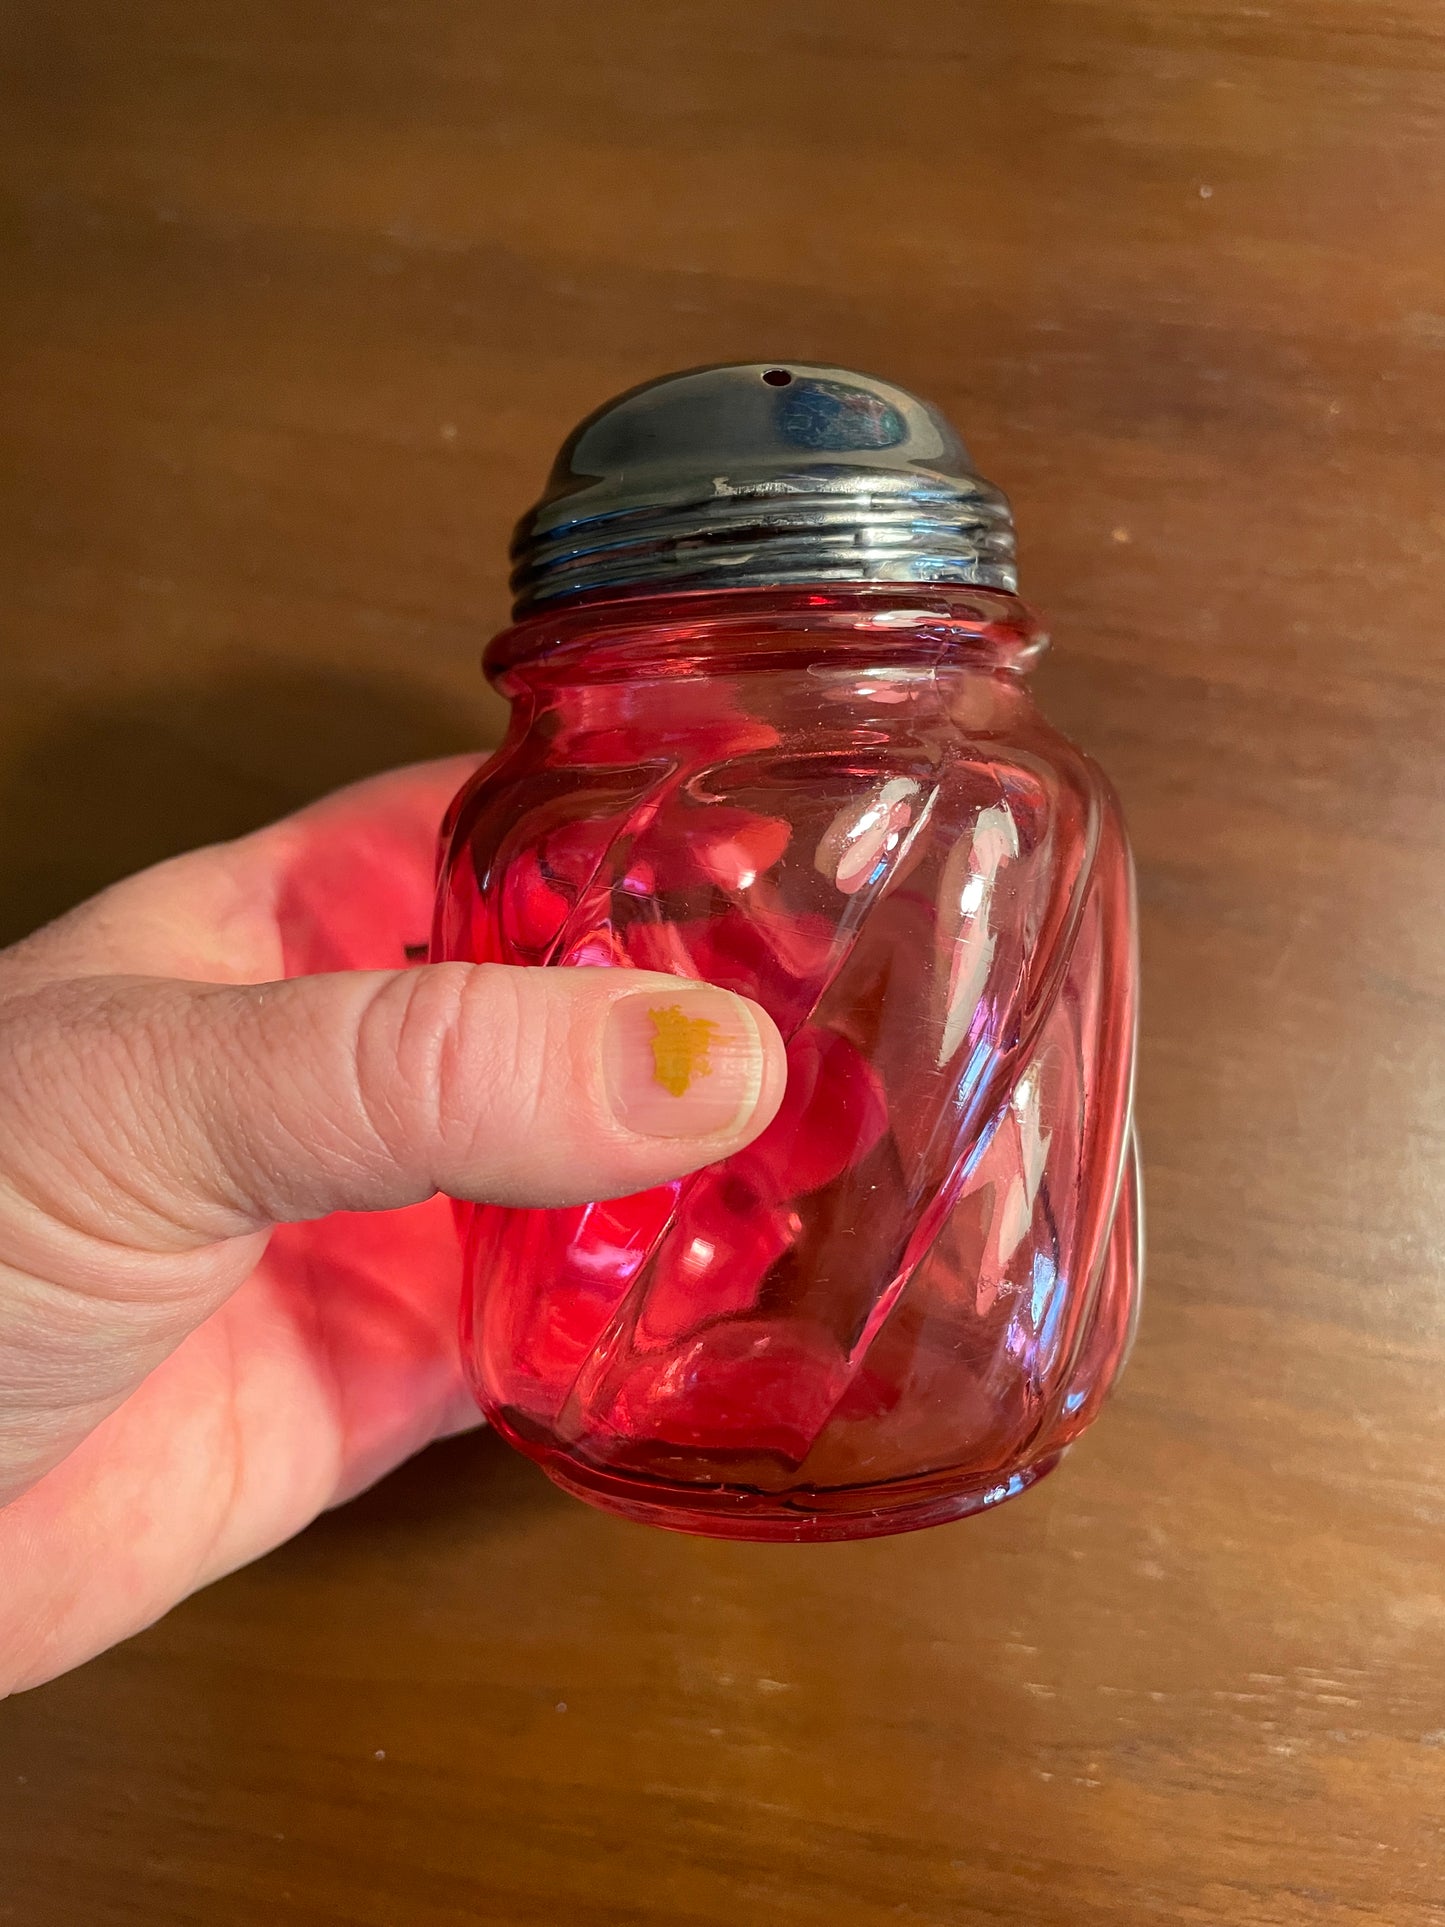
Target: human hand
{"type": "Point", "coordinates": [228, 1284]}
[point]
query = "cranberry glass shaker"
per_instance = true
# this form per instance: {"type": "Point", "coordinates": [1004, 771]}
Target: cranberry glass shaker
{"type": "Point", "coordinates": [771, 728]}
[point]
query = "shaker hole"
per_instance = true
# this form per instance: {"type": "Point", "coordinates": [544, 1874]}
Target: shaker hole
{"type": "Point", "coordinates": [777, 377]}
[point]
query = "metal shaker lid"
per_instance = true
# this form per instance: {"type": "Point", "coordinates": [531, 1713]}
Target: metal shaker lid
{"type": "Point", "coordinates": [758, 474]}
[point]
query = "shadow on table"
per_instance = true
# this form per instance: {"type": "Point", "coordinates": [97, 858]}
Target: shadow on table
{"type": "Point", "coordinates": [468, 1484]}
{"type": "Point", "coordinates": [125, 779]}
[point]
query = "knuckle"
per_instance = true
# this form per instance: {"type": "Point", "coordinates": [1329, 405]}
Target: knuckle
{"type": "Point", "coordinates": [420, 1018]}
{"type": "Point", "coordinates": [499, 1071]}
{"type": "Point", "coordinates": [492, 1067]}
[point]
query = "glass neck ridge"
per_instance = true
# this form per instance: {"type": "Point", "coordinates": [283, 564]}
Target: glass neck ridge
{"type": "Point", "coordinates": [670, 634]}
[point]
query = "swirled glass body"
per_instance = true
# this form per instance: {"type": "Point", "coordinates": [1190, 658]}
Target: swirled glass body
{"type": "Point", "coordinates": [903, 1301]}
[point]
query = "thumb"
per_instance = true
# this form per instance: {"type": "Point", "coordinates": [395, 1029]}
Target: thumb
{"type": "Point", "coordinates": [164, 1115]}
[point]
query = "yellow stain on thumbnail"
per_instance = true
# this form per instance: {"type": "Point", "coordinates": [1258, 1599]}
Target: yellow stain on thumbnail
{"type": "Point", "coordinates": [680, 1048]}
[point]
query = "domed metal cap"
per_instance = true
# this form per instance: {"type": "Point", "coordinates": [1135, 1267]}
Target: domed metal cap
{"type": "Point", "coordinates": [760, 474]}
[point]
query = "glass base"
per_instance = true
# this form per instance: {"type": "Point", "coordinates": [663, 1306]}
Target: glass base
{"type": "Point", "coordinates": [724, 1512]}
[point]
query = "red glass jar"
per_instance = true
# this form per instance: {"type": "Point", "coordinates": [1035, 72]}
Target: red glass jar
{"type": "Point", "coordinates": [905, 1298]}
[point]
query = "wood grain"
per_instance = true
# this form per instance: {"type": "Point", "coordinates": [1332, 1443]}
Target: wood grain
{"type": "Point", "coordinates": [296, 299]}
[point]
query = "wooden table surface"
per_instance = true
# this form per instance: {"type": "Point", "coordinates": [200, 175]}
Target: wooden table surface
{"type": "Point", "coordinates": [296, 299]}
